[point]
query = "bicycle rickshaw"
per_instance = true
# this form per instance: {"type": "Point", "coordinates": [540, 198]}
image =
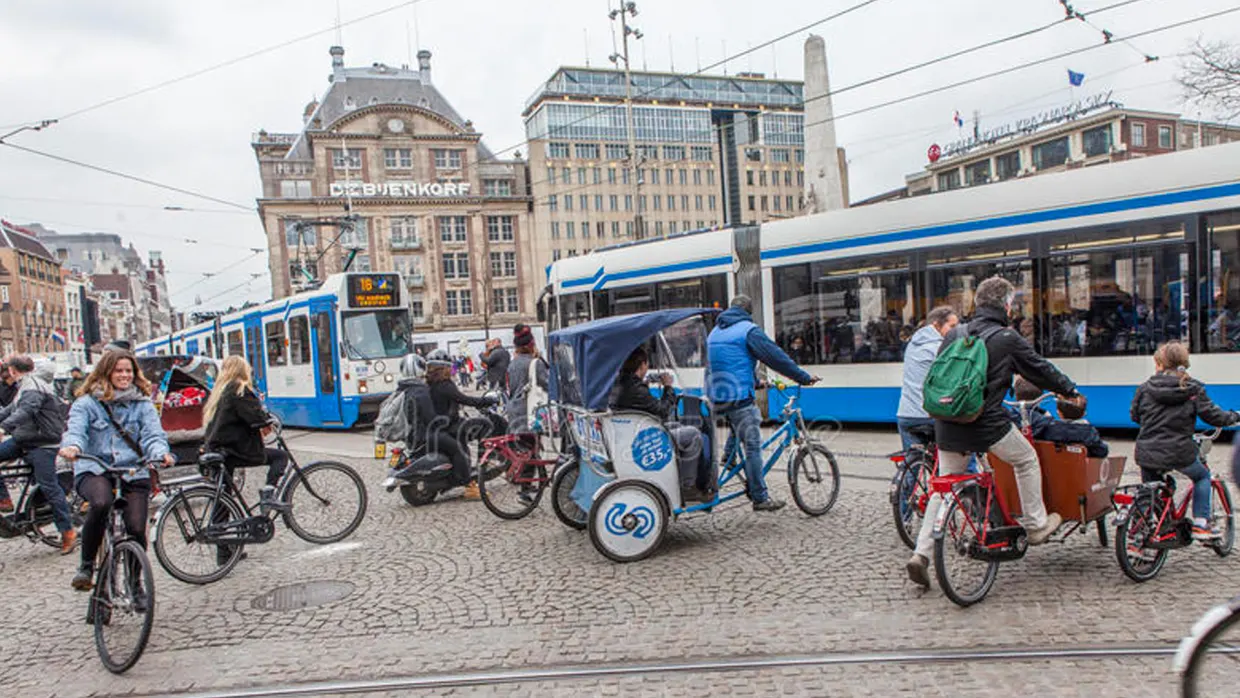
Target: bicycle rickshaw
{"type": "Point", "coordinates": [628, 482]}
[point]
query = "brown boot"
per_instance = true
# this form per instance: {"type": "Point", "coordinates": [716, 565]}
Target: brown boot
{"type": "Point", "coordinates": [68, 542]}
{"type": "Point", "coordinates": [471, 490]}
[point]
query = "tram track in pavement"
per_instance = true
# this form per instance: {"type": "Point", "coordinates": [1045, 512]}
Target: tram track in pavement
{"type": "Point", "coordinates": [722, 664]}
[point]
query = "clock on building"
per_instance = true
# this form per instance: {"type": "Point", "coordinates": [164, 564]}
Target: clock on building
{"type": "Point", "coordinates": [395, 125]}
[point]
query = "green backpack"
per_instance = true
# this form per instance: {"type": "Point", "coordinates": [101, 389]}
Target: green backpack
{"type": "Point", "coordinates": [955, 386]}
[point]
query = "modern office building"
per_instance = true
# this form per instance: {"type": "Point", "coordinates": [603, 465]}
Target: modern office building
{"type": "Point", "coordinates": [711, 150]}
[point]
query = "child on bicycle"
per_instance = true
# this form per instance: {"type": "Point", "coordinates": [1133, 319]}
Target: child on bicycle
{"type": "Point", "coordinates": [1167, 407]}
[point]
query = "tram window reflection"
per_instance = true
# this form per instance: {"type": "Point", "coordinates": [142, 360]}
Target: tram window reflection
{"type": "Point", "coordinates": [276, 355]}
{"type": "Point", "coordinates": [1117, 291]}
{"type": "Point", "coordinates": [1220, 291]}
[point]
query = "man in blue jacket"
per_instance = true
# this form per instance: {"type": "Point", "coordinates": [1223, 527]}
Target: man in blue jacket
{"type": "Point", "coordinates": [734, 348]}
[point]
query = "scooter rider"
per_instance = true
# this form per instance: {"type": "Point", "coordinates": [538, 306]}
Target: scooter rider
{"type": "Point", "coordinates": [449, 434]}
{"type": "Point", "coordinates": [419, 410]}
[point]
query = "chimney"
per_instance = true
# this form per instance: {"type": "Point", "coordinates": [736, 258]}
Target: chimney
{"type": "Point", "coordinates": [424, 65]}
{"type": "Point", "coordinates": [337, 53]}
{"type": "Point", "coordinates": [824, 187]}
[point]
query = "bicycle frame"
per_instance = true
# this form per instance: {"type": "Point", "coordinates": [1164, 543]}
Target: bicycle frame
{"type": "Point", "coordinates": [1169, 510]}
{"type": "Point", "coordinates": [518, 462]}
{"type": "Point", "coordinates": [791, 431]}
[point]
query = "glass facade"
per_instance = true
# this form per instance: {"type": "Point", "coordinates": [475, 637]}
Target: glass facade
{"type": "Point", "coordinates": [659, 124]}
{"type": "Point", "coordinates": [722, 90]}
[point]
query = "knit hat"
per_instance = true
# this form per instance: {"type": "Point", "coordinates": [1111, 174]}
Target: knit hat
{"type": "Point", "coordinates": [522, 335]}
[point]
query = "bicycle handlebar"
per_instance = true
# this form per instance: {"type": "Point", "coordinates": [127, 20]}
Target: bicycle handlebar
{"type": "Point", "coordinates": [1023, 403]}
{"type": "Point", "coordinates": [1210, 434]}
{"type": "Point", "coordinates": [113, 468]}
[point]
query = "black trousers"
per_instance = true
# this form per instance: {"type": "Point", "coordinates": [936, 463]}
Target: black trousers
{"type": "Point", "coordinates": [97, 490]}
{"type": "Point", "coordinates": [453, 442]}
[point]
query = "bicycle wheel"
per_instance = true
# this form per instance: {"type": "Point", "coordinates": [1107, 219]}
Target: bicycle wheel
{"type": "Point", "coordinates": [327, 502]}
{"type": "Point", "coordinates": [815, 479]}
{"type": "Point", "coordinates": [907, 487]}
{"type": "Point", "coordinates": [1224, 522]}
{"type": "Point", "coordinates": [510, 495]}
{"type": "Point", "coordinates": [964, 578]}
{"type": "Point", "coordinates": [1139, 562]}
{"type": "Point", "coordinates": [179, 541]}
{"type": "Point", "coordinates": [562, 484]}
{"type": "Point", "coordinates": [38, 520]}
{"type": "Point", "coordinates": [1213, 668]}
{"type": "Point", "coordinates": [124, 606]}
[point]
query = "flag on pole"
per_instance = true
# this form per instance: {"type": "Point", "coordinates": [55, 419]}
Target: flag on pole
{"type": "Point", "coordinates": [59, 337]}
{"type": "Point", "coordinates": [959, 121]}
{"type": "Point", "coordinates": [1075, 79]}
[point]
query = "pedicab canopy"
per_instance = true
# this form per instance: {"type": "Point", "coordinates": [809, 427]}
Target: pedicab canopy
{"type": "Point", "coordinates": [586, 358]}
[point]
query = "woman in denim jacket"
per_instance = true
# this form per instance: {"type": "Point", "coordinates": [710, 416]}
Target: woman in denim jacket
{"type": "Point", "coordinates": [116, 386]}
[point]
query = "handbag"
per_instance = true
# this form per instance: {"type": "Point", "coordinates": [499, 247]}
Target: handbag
{"type": "Point", "coordinates": [535, 398]}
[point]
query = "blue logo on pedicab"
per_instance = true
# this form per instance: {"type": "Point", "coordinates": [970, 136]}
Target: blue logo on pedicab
{"type": "Point", "coordinates": [652, 449]}
{"type": "Point", "coordinates": [640, 521]}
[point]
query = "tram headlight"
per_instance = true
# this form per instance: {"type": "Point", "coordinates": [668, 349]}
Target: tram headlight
{"type": "Point", "coordinates": [361, 386]}
{"type": "Point", "coordinates": [389, 378]}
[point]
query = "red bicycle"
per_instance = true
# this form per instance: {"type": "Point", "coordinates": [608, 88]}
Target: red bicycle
{"type": "Point", "coordinates": [1150, 523]}
{"type": "Point", "coordinates": [512, 474]}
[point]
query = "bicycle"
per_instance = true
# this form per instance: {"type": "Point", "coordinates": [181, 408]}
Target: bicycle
{"type": "Point", "coordinates": [214, 522]}
{"type": "Point", "coordinates": [1150, 523]}
{"type": "Point", "coordinates": [122, 602]}
{"type": "Point", "coordinates": [32, 516]}
{"type": "Point", "coordinates": [910, 486]}
{"type": "Point", "coordinates": [1207, 659]}
{"type": "Point", "coordinates": [811, 461]}
{"type": "Point", "coordinates": [513, 475]}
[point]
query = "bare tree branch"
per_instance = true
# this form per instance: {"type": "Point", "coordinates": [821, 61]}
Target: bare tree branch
{"type": "Point", "coordinates": [1211, 77]}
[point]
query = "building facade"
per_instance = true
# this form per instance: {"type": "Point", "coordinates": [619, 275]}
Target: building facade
{"type": "Point", "coordinates": [1091, 132]}
{"type": "Point", "coordinates": [711, 151]}
{"type": "Point", "coordinates": [32, 296]}
{"type": "Point", "coordinates": [77, 288]}
{"type": "Point", "coordinates": [143, 290]}
{"type": "Point", "coordinates": [385, 173]}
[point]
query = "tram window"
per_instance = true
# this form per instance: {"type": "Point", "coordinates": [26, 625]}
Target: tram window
{"type": "Point", "coordinates": [207, 348]}
{"type": "Point", "coordinates": [1222, 295]}
{"type": "Point", "coordinates": [680, 294]}
{"type": "Point", "coordinates": [1117, 291]}
{"type": "Point", "coordinates": [955, 273]}
{"type": "Point", "coordinates": [236, 346]}
{"type": "Point", "coordinates": [276, 354]}
{"type": "Point", "coordinates": [637, 299]}
{"type": "Point", "coordinates": [299, 340]}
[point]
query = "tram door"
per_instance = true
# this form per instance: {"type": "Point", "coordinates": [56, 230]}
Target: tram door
{"type": "Point", "coordinates": [325, 365]}
{"type": "Point", "coordinates": [254, 351]}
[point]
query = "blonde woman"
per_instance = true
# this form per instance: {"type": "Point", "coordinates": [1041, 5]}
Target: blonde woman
{"type": "Point", "coordinates": [236, 423]}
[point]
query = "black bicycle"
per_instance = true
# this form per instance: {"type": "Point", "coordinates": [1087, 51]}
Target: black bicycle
{"type": "Point", "coordinates": [122, 603]}
{"type": "Point", "coordinates": [32, 515]}
{"type": "Point", "coordinates": [201, 531]}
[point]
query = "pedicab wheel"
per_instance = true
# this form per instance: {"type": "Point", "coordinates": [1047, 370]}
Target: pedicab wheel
{"type": "Point", "coordinates": [906, 491]}
{"type": "Point", "coordinates": [628, 520]}
{"type": "Point", "coordinates": [122, 620]}
{"type": "Point", "coordinates": [964, 578]}
{"type": "Point", "coordinates": [1224, 519]}
{"type": "Point", "coordinates": [1139, 563]}
{"type": "Point", "coordinates": [815, 479]}
{"type": "Point", "coordinates": [562, 484]}
{"type": "Point", "coordinates": [417, 498]}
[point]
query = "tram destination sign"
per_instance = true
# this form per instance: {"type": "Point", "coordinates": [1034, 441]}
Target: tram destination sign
{"type": "Point", "coordinates": [1029, 124]}
{"type": "Point", "coordinates": [401, 189]}
{"type": "Point", "coordinates": [374, 290]}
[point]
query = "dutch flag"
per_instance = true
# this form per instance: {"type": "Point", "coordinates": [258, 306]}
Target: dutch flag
{"type": "Point", "coordinates": [59, 337]}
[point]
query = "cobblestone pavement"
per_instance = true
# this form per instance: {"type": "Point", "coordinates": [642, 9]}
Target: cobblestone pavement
{"type": "Point", "coordinates": [450, 588]}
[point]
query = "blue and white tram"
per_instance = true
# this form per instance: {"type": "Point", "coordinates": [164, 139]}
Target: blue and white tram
{"type": "Point", "coordinates": [1111, 261]}
{"type": "Point", "coordinates": [324, 358]}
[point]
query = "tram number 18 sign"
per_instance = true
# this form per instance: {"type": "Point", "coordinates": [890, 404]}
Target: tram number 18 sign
{"type": "Point", "coordinates": [374, 291]}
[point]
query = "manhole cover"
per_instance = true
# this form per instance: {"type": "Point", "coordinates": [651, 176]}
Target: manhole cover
{"type": "Point", "coordinates": [295, 597]}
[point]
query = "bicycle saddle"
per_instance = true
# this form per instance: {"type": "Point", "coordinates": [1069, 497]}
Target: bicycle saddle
{"type": "Point", "coordinates": [208, 459]}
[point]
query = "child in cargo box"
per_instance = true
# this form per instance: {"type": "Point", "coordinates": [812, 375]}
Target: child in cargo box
{"type": "Point", "coordinates": [1070, 428]}
{"type": "Point", "coordinates": [1167, 407]}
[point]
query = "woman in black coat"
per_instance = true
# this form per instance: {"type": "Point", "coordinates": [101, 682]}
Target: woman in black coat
{"type": "Point", "coordinates": [237, 423]}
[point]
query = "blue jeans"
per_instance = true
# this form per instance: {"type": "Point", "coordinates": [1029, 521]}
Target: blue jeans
{"type": "Point", "coordinates": [906, 424]}
{"type": "Point", "coordinates": [747, 425]}
{"type": "Point", "coordinates": [1201, 486]}
{"type": "Point", "coordinates": [43, 462]}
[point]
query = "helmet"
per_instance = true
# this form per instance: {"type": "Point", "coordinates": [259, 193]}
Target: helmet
{"type": "Point", "coordinates": [412, 366]}
{"type": "Point", "coordinates": [439, 356]}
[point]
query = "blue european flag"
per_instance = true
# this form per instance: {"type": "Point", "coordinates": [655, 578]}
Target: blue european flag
{"type": "Point", "coordinates": [1075, 79]}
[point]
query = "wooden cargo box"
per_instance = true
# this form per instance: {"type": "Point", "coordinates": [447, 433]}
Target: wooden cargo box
{"type": "Point", "coordinates": [1070, 480]}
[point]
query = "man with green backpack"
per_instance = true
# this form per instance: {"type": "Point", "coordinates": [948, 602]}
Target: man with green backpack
{"type": "Point", "coordinates": [964, 393]}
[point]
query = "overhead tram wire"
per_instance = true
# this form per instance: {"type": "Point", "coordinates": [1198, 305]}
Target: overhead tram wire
{"type": "Point", "coordinates": [901, 71]}
{"type": "Point", "coordinates": [118, 204]}
{"type": "Point", "coordinates": [134, 178]}
{"type": "Point", "coordinates": [211, 275]}
{"type": "Point", "coordinates": [699, 71]}
{"type": "Point", "coordinates": [976, 79]}
{"type": "Point", "coordinates": [232, 61]}
{"type": "Point", "coordinates": [134, 233]}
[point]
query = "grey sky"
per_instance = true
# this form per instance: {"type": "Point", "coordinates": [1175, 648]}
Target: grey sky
{"type": "Point", "coordinates": [489, 56]}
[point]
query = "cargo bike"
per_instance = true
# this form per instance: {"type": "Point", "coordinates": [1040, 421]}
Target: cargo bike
{"type": "Point", "coordinates": [625, 481]}
{"type": "Point", "coordinates": [976, 526]}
